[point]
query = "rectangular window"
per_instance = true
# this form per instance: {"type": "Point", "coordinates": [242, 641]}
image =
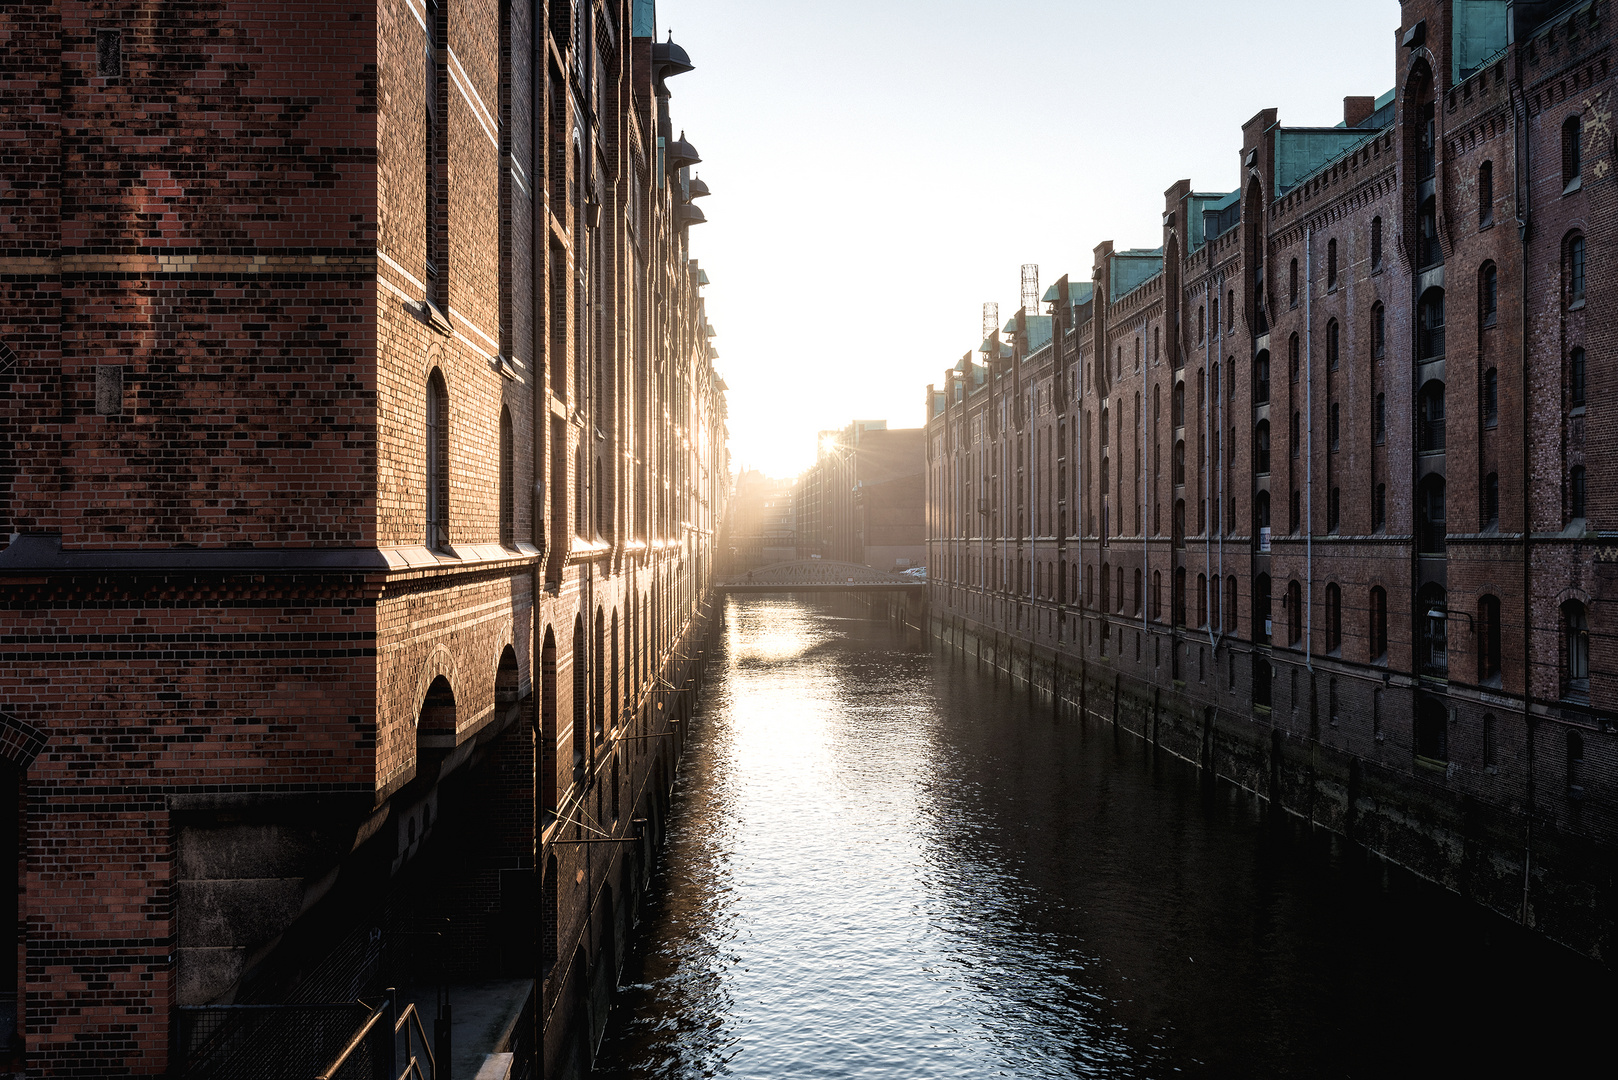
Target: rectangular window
{"type": "Point", "coordinates": [109, 54]}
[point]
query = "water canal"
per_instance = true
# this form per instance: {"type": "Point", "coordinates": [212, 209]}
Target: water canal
{"type": "Point", "coordinates": [883, 865]}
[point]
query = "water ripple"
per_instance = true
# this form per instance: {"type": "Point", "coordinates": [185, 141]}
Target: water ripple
{"type": "Point", "coordinates": [879, 866]}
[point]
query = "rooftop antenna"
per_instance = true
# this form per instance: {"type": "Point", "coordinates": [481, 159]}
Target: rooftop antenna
{"type": "Point", "coordinates": [1030, 288]}
{"type": "Point", "coordinates": [991, 320]}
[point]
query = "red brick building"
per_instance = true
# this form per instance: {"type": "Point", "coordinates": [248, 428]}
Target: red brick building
{"type": "Point", "coordinates": [1304, 493]}
{"type": "Point", "coordinates": [360, 457]}
{"type": "Point", "coordinates": [864, 498]}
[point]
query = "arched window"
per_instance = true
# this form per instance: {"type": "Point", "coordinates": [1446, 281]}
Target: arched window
{"type": "Point", "coordinates": [1491, 398]}
{"type": "Point", "coordinates": [1179, 523]}
{"type": "Point", "coordinates": [1106, 587]}
{"type": "Point", "coordinates": [1202, 600]}
{"type": "Point", "coordinates": [1230, 604]}
{"type": "Point", "coordinates": [1575, 378]}
{"type": "Point", "coordinates": [1428, 251]}
{"type": "Point", "coordinates": [1332, 336]}
{"type": "Point", "coordinates": [1179, 596]}
{"type": "Point", "coordinates": [1488, 637]}
{"type": "Point", "coordinates": [1432, 730]}
{"type": "Point", "coordinates": [1491, 500]}
{"type": "Point", "coordinates": [1575, 270]}
{"type": "Point", "coordinates": [1331, 265]}
{"type": "Point", "coordinates": [1120, 589]}
{"type": "Point", "coordinates": [508, 503]}
{"type": "Point", "coordinates": [1292, 357]}
{"type": "Point", "coordinates": [1432, 630]}
{"type": "Point", "coordinates": [1575, 491]}
{"type": "Point", "coordinates": [1177, 405]}
{"type": "Point", "coordinates": [1430, 325]}
{"type": "Point", "coordinates": [598, 685]}
{"type": "Point", "coordinates": [1261, 609]}
{"type": "Point", "coordinates": [1294, 613]}
{"type": "Point", "coordinates": [1379, 330]}
{"type": "Point", "coordinates": [581, 698]}
{"type": "Point", "coordinates": [1334, 618]}
{"type": "Point", "coordinates": [1430, 415]}
{"type": "Point", "coordinates": [437, 463]}
{"type": "Point", "coordinates": [1485, 194]}
{"type": "Point", "coordinates": [1201, 313]}
{"type": "Point", "coordinates": [547, 726]}
{"type": "Point", "coordinates": [1430, 531]}
{"type": "Point", "coordinates": [1106, 427]}
{"type": "Point", "coordinates": [1157, 595]}
{"type": "Point", "coordinates": [1575, 651]}
{"type": "Point", "coordinates": [1292, 284]}
{"type": "Point", "coordinates": [1488, 294]}
{"type": "Point", "coordinates": [1179, 462]}
{"type": "Point", "coordinates": [1261, 378]}
{"type": "Point", "coordinates": [1376, 243]}
{"type": "Point", "coordinates": [1379, 623]}
{"type": "Point", "coordinates": [1570, 152]}
{"type": "Point", "coordinates": [1230, 310]}
{"type": "Point", "coordinates": [1139, 600]}
{"type": "Point", "coordinates": [1261, 447]}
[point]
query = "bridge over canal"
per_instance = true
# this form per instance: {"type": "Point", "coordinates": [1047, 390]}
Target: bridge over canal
{"type": "Point", "coordinates": [822, 575]}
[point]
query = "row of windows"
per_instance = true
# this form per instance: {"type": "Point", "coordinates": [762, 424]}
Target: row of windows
{"type": "Point", "coordinates": [436, 502]}
{"type": "Point", "coordinates": [1105, 591]}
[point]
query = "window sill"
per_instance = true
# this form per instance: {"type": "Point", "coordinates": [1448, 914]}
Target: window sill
{"type": "Point", "coordinates": [1486, 224]}
{"type": "Point", "coordinates": [1577, 305]}
{"type": "Point", "coordinates": [1573, 185]}
{"type": "Point", "coordinates": [1431, 764]}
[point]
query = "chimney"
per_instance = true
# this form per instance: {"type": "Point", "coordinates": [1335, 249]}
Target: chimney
{"type": "Point", "coordinates": [1356, 109]}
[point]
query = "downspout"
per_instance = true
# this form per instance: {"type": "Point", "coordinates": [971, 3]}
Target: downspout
{"type": "Point", "coordinates": [1211, 394]}
{"type": "Point", "coordinates": [1219, 467]}
{"type": "Point", "coordinates": [1309, 448]}
{"type": "Point", "coordinates": [1521, 181]}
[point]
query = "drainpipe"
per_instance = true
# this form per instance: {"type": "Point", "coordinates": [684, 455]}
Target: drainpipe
{"type": "Point", "coordinates": [1207, 477]}
{"type": "Point", "coordinates": [1219, 411]}
{"type": "Point", "coordinates": [1522, 181]}
{"type": "Point", "coordinates": [1309, 449]}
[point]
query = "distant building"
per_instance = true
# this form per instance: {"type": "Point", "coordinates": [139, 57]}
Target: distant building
{"type": "Point", "coordinates": [763, 517]}
{"type": "Point", "coordinates": [864, 499]}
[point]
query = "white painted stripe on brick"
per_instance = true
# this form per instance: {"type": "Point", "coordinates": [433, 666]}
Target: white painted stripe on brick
{"type": "Point", "coordinates": [487, 112]}
{"type": "Point", "coordinates": [477, 114]}
{"type": "Point", "coordinates": [401, 271]}
{"type": "Point", "coordinates": [493, 344]}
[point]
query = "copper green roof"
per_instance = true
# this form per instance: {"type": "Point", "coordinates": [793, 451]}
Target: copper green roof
{"type": "Point", "coordinates": [1477, 35]}
{"type": "Point", "coordinates": [1133, 268]}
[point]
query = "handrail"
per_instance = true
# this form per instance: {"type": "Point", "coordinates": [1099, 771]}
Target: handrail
{"type": "Point", "coordinates": [355, 1043]}
{"type": "Point", "coordinates": [410, 1013]}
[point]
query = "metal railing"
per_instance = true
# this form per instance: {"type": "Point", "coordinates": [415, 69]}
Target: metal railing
{"type": "Point", "coordinates": [373, 1050]}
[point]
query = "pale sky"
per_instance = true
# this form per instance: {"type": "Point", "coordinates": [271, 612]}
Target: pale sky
{"type": "Point", "coordinates": [881, 168]}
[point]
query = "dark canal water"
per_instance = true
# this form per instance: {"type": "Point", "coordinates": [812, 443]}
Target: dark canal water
{"type": "Point", "coordinates": [881, 865]}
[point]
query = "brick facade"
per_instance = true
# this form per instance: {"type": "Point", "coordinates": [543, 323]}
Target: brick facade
{"type": "Point", "coordinates": [353, 367]}
{"type": "Point", "coordinates": [1296, 493]}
